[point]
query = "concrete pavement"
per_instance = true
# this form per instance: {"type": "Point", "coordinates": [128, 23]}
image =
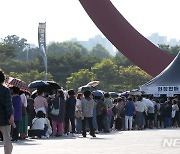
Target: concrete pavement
{"type": "Point", "coordinates": [124, 142]}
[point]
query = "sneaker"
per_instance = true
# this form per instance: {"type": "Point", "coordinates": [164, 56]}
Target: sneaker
{"type": "Point", "coordinates": [53, 136]}
{"type": "Point", "coordinates": [43, 137]}
{"type": "Point", "coordinates": [57, 135]}
{"type": "Point", "coordinates": [73, 135]}
{"type": "Point", "coordinates": [93, 135]}
{"type": "Point", "coordinates": [14, 140]}
{"type": "Point", "coordinates": [66, 134]}
{"type": "Point", "coordinates": [84, 135]}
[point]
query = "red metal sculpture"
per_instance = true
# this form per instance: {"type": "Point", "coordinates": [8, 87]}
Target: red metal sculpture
{"type": "Point", "coordinates": [125, 38]}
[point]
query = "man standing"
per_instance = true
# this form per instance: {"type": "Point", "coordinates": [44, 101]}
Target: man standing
{"type": "Point", "coordinates": [129, 112]}
{"type": "Point", "coordinates": [6, 115]}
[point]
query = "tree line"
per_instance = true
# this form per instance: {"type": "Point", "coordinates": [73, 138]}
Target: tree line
{"type": "Point", "coordinates": [72, 65]}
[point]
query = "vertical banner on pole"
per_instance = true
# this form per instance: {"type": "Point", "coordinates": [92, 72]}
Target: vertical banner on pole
{"type": "Point", "coordinates": [42, 43]}
{"type": "Point", "coordinates": [42, 34]}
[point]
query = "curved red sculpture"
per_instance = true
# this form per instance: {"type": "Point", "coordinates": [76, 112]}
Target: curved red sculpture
{"type": "Point", "coordinates": [125, 38]}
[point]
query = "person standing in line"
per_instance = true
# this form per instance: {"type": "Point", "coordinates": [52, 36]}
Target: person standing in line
{"type": "Point", "coordinates": [168, 114]}
{"type": "Point", "coordinates": [176, 97]}
{"type": "Point", "coordinates": [100, 108]}
{"type": "Point", "coordinates": [17, 105]}
{"type": "Point", "coordinates": [79, 109]}
{"type": "Point", "coordinates": [30, 110]}
{"type": "Point", "coordinates": [24, 121]}
{"type": "Point", "coordinates": [6, 115]}
{"type": "Point", "coordinates": [129, 112]}
{"type": "Point", "coordinates": [175, 110]}
{"type": "Point", "coordinates": [120, 120]}
{"type": "Point", "coordinates": [70, 112]}
{"type": "Point", "coordinates": [58, 120]}
{"type": "Point", "coordinates": [88, 105]}
{"type": "Point", "coordinates": [40, 103]}
{"type": "Point", "coordinates": [140, 107]}
{"type": "Point", "coordinates": [108, 101]}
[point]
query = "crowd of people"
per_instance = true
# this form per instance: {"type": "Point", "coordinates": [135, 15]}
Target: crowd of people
{"type": "Point", "coordinates": [67, 113]}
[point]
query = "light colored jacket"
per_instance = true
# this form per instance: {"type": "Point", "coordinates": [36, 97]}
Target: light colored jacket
{"type": "Point", "coordinates": [140, 106]}
{"type": "Point", "coordinates": [87, 107]}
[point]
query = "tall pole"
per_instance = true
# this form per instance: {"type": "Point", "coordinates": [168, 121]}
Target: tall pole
{"type": "Point", "coordinates": [42, 45]}
{"type": "Point", "coordinates": [27, 56]}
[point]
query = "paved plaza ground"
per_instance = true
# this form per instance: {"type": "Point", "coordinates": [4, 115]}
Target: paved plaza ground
{"type": "Point", "coordinates": [123, 142]}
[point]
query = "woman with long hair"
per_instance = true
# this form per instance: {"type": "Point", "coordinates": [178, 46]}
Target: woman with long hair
{"type": "Point", "coordinates": [79, 110]}
{"type": "Point", "coordinates": [58, 120]}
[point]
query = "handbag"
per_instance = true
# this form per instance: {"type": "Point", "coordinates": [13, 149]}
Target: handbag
{"type": "Point", "coordinates": [56, 111]}
{"type": "Point", "coordinates": [78, 114]}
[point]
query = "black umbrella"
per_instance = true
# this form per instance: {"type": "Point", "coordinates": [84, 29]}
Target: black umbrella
{"type": "Point", "coordinates": [86, 88]}
{"type": "Point", "coordinates": [53, 85]}
{"type": "Point", "coordinates": [38, 84]}
{"type": "Point", "coordinates": [113, 94]}
{"type": "Point", "coordinates": [98, 93]}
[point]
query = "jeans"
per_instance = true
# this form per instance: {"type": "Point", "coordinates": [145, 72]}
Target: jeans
{"type": "Point", "coordinates": [78, 125]}
{"type": "Point", "coordinates": [167, 122]}
{"type": "Point", "coordinates": [106, 123]}
{"type": "Point", "coordinates": [128, 118]}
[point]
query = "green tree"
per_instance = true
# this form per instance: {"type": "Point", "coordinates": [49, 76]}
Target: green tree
{"type": "Point", "coordinates": [30, 76]}
{"type": "Point", "coordinates": [100, 52]}
{"type": "Point", "coordinates": [29, 54]}
{"type": "Point", "coordinates": [172, 50]}
{"type": "Point", "coordinates": [62, 65]}
{"type": "Point", "coordinates": [80, 78]}
{"type": "Point", "coordinates": [107, 73]}
{"type": "Point", "coordinates": [121, 60]}
{"type": "Point", "coordinates": [6, 52]}
{"type": "Point", "coordinates": [65, 47]}
{"type": "Point", "coordinates": [14, 41]}
{"type": "Point", "coordinates": [132, 77]}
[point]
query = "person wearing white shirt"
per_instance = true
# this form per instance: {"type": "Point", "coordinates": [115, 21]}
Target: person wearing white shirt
{"type": "Point", "coordinates": [140, 107]}
{"type": "Point", "coordinates": [39, 125]}
{"type": "Point", "coordinates": [150, 112]}
{"type": "Point", "coordinates": [24, 122]}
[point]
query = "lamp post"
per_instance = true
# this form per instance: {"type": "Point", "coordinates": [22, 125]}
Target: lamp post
{"type": "Point", "coordinates": [27, 56]}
